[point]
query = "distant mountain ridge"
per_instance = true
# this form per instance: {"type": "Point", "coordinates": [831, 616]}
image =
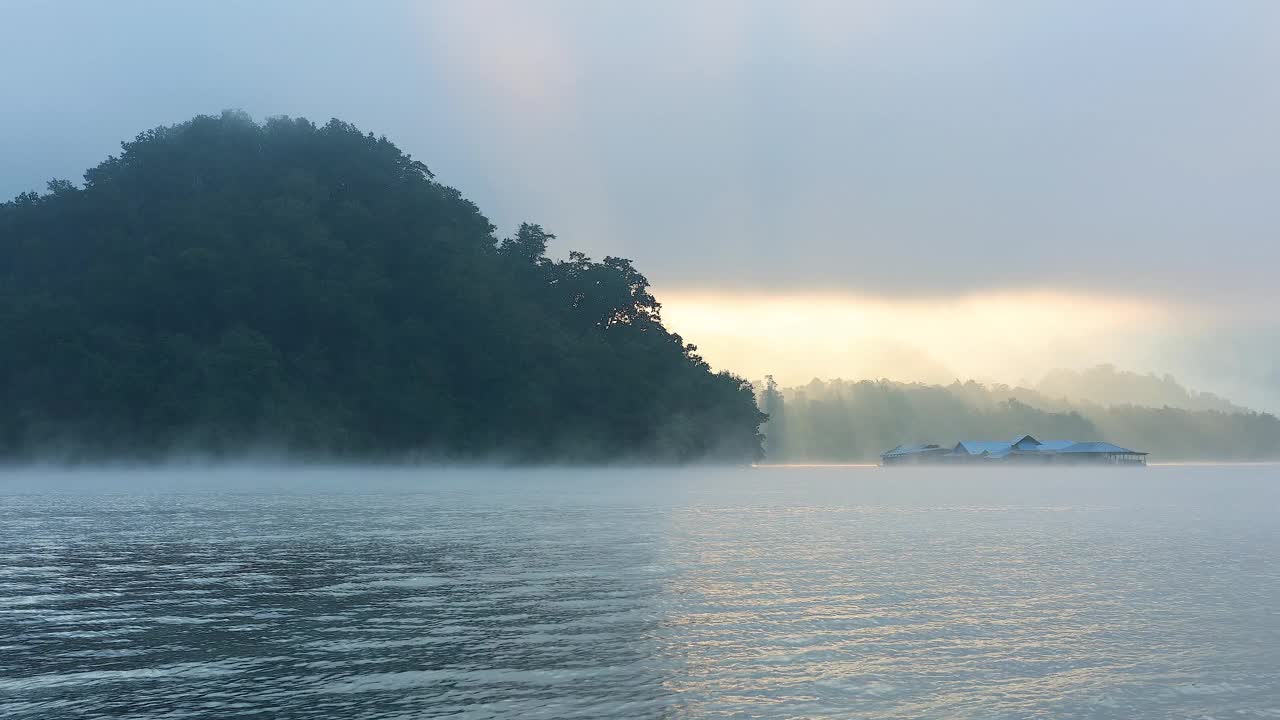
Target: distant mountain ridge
{"type": "Point", "coordinates": [1108, 385]}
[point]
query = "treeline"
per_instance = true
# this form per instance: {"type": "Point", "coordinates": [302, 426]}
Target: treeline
{"type": "Point", "coordinates": [1108, 385]}
{"type": "Point", "coordinates": [224, 285]}
{"type": "Point", "coordinates": [846, 421]}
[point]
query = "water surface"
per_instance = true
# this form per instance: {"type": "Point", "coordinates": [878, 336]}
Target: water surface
{"type": "Point", "coordinates": [766, 592]}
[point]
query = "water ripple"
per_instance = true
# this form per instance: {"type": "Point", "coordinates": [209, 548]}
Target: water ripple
{"type": "Point", "coordinates": [766, 593]}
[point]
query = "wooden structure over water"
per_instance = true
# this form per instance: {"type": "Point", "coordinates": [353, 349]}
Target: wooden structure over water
{"type": "Point", "coordinates": [1022, 450]}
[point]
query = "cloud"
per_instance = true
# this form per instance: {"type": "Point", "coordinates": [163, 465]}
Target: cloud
{"type": "Point", "coordinates": [902, 148]}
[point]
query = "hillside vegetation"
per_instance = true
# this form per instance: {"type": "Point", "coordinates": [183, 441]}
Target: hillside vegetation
{"type": "Point", "coordinates": [224, 285]}
{"type": "Point", "coordinates": [1108, 385]}
{"type": "Point", "coordinates": [848, 421]}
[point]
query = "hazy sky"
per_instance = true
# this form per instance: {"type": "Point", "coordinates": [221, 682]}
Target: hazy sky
{"type": "Point", "coordinates": [895, 188]}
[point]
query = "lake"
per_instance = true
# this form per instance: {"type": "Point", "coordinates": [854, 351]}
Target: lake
{"type": "Point", "coordinates": [753, 592]}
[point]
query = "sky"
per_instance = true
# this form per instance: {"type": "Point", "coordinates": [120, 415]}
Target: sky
{"type": "Point", "coordinates": [905, 189]}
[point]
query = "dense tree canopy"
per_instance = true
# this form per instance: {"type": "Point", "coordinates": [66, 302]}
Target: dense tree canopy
{"type": "Point", "coordinates": [224, 285]}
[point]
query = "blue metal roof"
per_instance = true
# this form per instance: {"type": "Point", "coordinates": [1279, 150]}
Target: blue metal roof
{"type": "Point", "coordinates": [1001, 449]}
{"type": "Point", "coordinates": [1098, 447]}
{"type": "Point", "coordinates": [909, 450]}
{"type": "Point", "coordinates": [977, 447]}
{"type": "Point", "coordinates": [998, 449]}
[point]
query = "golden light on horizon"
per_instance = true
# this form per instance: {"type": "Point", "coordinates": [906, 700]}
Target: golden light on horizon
{"type": "Point", "coordinates": [1004, 336]}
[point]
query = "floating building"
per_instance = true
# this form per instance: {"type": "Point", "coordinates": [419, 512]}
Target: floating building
{"type": "Point", "coordinates": [1023, 449]}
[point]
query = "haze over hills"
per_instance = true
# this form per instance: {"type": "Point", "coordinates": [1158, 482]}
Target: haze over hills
{"type": "Point", "coordinates": [854, 421]}
{"type": "Point", "coordinates": [1107, 385]}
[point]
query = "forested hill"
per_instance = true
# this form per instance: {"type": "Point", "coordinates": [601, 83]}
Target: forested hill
{"type": "Point", "coordinates": [1108, 385]}
{"type": "Point", "coordinates": [224, 285]}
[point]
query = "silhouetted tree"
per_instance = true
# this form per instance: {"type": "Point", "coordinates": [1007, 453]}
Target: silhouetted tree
{"type": "Point", "coordinates": [772, 403]}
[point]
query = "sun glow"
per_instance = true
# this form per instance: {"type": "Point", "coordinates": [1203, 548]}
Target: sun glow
{"type": "Point", "coordinates": [1006, 337]}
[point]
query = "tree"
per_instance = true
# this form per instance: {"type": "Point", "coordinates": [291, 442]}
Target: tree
{"type": "Point", "coordinates": [772, 403]}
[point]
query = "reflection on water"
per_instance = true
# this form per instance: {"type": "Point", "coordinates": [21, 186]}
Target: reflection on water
{"type": "Point", "coordinates": [696, 593]}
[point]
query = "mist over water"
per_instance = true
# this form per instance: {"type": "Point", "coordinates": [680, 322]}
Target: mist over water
{"type": "Point", "coordinates": [763, 592]}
